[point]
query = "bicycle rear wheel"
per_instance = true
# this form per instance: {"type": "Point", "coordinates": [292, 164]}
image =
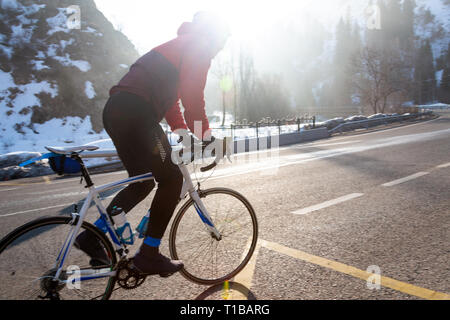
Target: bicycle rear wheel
{"type": "Point", "coordinates": [207, 260]}
{"type": "Point", "coordinates": [28, 256]}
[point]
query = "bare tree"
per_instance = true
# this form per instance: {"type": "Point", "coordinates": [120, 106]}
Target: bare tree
{"type": "Point", "coordinates": [247, 82]}
{"type": "Point", "coordinates": [222, 69]}
{"type": "Point", "coordinates": [376, 75]}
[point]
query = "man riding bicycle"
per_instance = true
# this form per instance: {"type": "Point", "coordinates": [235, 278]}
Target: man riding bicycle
{"type": "Point", "coordinates": [150, 91]}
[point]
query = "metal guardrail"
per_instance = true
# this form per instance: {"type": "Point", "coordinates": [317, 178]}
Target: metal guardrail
{"type": "Point", "coordinates": [353, 125]}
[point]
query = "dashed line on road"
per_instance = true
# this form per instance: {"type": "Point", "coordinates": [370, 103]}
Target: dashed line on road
{"type": "Point", "coordinates": [335, 266]}
{"type": "Point", "coordinates": [405, 179]}
{"type": "Point", "coordinates": [327, 204]}
{"type": "Point", "coordinates": [33, 210]}
{"type": "Point", "coordinates": [9, 189]}
{"type": "Point", "coordinates": [445, 165]}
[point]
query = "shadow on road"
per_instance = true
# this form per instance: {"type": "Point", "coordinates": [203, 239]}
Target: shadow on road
{"type": "Point", "coordinates": [219, 287]}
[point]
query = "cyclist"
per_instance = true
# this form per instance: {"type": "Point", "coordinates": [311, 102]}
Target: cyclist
{"type": "Point", "coordinates": [150, 91]}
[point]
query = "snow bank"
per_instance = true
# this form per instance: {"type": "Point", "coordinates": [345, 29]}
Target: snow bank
{"type": "Point", "coordinates": [15, 158]}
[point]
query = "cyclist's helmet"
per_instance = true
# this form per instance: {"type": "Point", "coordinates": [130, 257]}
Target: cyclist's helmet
{"type": "Point", "coordinates": [212, 25]}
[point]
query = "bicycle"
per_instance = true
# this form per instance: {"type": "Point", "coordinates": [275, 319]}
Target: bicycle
{"type": "Point", "coordinates": [38, 260]}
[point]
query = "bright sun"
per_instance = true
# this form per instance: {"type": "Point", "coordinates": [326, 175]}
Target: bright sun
{"type": "Point", "coordinates": [148, 23]}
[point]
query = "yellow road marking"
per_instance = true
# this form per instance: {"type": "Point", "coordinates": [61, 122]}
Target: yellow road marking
{"type": "Point", "coordinates": [358, 273]}
{"type": "Point", "coordinates": [245, 277]}
{"type": "Point", "coordinates": [46, 180]}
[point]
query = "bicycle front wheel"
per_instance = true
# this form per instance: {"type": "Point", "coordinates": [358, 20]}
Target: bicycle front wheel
{"type": "Point", "coordinates": [28, 257]}
{"type": "Point", "coordinates": [208, 260]}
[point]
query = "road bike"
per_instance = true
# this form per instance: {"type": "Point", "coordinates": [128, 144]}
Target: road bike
{"type": "Point", "coordinates": [214, 233]}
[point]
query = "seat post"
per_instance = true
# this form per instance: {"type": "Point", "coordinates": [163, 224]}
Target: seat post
{"type": "Point", "coordinates": [84, 171]}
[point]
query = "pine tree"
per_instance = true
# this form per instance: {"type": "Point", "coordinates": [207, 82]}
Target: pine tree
{"type": "Point", "coordinates": [424, 75]}
{"type": "Point", "coordinates": [407, 30]}
{"type": "Point", "coordinates": [444, 88]}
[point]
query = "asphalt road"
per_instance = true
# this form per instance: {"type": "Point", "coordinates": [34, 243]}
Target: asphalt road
{"type": "Point", "coordinates": [327, 211]}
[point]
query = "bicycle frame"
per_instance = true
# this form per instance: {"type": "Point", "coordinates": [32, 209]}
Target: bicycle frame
{"type": "Point", "coordinates": [94, 195]}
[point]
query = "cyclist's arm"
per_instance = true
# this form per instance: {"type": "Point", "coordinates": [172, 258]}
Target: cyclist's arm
{"type": "Point", "coordinates": [175, 119]}
{"type": "Point", "coordinates": [193, 76]}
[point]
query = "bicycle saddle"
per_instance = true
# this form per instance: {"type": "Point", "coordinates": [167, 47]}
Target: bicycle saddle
{"type": "Point", "coordinates": [70, 150]}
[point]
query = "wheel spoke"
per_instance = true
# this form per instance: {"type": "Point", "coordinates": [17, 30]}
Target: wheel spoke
{"type": "Point", "coordinates": [207, 260]}
{"type": "Point", "coordinates": [33, 249]}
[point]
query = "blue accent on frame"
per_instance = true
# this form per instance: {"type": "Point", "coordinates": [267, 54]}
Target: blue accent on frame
{"type": "Point", "coordinates": [44, 156]}
{"type": "Point", "coordinates": [202, 216]}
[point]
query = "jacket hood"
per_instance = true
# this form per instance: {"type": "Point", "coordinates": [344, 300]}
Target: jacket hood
{"type": "Point", "coordinates": [186, 28]}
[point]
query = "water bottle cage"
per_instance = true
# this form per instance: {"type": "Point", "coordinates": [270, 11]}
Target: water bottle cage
{"type": "Point", "coordinates": [120, 232]}
{"type": "Point", "coordinates": [142, 228]}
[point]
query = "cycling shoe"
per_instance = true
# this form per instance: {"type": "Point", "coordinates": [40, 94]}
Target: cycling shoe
{"type": "Point", "coordinates": [149, 261]}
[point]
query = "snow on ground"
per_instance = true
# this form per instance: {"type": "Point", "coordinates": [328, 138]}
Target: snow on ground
{"type": "Point", "coordinates": [92, 30]}
{"type": "Point", "coordinates": [58, 23]}
{"type": "Point", "coordinates": [66, 132]}
{"type": "Point", "coordinates": [66, 61]}
{"type": "Point", "coordinates": [89, 90]}
{"type": "Point", "coordinates": [439, 75]}
{"type": "Point", "coordinates": [39, 65]}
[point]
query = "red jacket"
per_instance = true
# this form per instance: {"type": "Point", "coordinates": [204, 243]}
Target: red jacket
{"type": "Point", "coordinates": [172, 71]}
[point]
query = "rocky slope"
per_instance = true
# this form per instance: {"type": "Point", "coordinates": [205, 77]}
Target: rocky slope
{"type": "Point", "coordinates": [58, 60]}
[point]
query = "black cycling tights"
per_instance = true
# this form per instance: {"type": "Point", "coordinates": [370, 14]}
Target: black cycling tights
{"type": "Point", "coordinates": [143, 147]}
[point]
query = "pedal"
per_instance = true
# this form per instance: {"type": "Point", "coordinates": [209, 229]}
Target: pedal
{"type": "Point", "coordinates": [128, 277]}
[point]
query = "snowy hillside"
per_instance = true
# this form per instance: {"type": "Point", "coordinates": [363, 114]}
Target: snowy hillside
{"type": "Point", "coordinates": [56, 71]}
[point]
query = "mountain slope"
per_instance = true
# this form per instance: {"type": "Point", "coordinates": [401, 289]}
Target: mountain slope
{"type": "Point", "coordinates": [56, 70]}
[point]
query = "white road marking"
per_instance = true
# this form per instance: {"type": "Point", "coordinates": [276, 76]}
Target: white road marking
{"type": "Point", "coordinates": [326, 144]}
{"type": "Point", "coordinates": [272, 164]}
{"type": "Point", "coordinates": [9, 189]}
{"type": "Point", "coordinates": [445, 165]}
{"type": "Point", "coordinates": [405, 179]}
{"type": "Point", "coordinates": [327, 204]}
{"type": "Point", "coordinates": [38, 209]}
{"type": "Point", "coordinates": [289, 160]}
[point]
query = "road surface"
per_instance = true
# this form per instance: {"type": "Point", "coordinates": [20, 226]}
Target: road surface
{"type": "Point", "coordinates": [333, 214]}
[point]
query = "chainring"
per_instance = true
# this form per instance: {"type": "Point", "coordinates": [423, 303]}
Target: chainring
{"type": "Point", "coordinates": [128, 277]}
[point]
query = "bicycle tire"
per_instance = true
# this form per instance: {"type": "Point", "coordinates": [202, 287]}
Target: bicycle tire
{"type": "Point", "coordinates": [55, 221]}
{"type": "Point", "coordinates": [199, 277]}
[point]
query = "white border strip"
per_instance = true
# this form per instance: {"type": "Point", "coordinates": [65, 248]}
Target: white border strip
{"type": "Point", "coordinates": [328, 204]}
{"type": "Point", "coordinates": [405, 179]}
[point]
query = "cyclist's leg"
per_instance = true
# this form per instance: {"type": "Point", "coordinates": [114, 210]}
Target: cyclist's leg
{"type": "Point", "coordinates": [143, 147]}
{"type": "Point", "coordinates": [128, 124]}
{"type": "Point", "coordinates": [170, 182]}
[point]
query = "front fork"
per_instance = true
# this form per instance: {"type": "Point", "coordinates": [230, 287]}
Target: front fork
{"type": "Point", "coordinates": [188, 188]}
